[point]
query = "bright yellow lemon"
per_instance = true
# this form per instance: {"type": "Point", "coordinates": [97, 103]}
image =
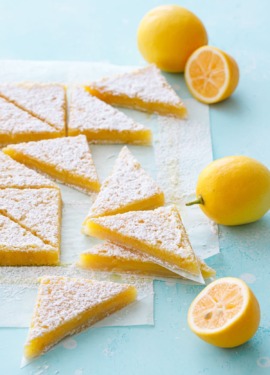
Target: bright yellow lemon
{"type": "Point", "coordinates": [167, 36]}
{"type": "Point", "coordinates": [225, 314]}
{"type": "Point", "coordinates": [211, 74]}
{"type": "Point", "coordinates": [234, 190]}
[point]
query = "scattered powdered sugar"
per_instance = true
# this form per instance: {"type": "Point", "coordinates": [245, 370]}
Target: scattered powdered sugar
{"type": "Point", "coordinates": [62, 299]}
{"type": "Point", "coordinates": [89, 113]}
{"type": "Point", "coordinates": [128, 184]}
{"type": "Point", "coordinates": [168, 159]}
{"type": "Point", "coordinates": [185, 147]}
{"type": "Point", "coordinates": [16, 175]}
{"type": "Point", "coordinates": [36, 210]}
{"type": "Point", "coordinates": [146, 83]}
{"type": "Point", "coordinates": [28, 277]}
{"type": "Point", "coordinates": [182, 150]}
{"type": "Point", "coordinates": [68, 154]}
{"type": "Point", "coordinates": [44, 101]}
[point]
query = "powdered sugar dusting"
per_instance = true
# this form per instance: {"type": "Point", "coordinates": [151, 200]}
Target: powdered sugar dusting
{"type": "Point", "coordinates": [62, 299]}
{"type": "Point", "coordinates": [16, 238]}
{"type": "Point", "coordinates": [14, 122]}
{"type": "Point", "coordinates": [116, 251]}
{"type": "Point", "coordinates": [146, 83]}
{"type": "Point", "coordinates": [45, 101]}
{"type": "Point", "coordinates": [89, 113]}
{"type": "Point", "coordinates": [161, 228]}
{"type": "Point", "coordinates": [37, 210]}
{"type": "Point", "coordinates": [128, 184]}
{"type": "Point", "coordinates": [16, 175]}
{"type": "Point", "coordinates": [69, 154]}
{"type": "Point", "coordinates": [162, 234]}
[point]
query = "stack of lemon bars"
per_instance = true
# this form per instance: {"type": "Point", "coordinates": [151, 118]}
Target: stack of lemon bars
{"type": "Point", "coordinates": [45, 131]}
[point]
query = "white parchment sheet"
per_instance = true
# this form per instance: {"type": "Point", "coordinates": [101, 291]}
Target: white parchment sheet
{"type": "Point", "coordinates": [181, 148]}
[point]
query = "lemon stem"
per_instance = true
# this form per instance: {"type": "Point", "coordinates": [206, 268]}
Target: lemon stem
{"type": "Point", "coordinates": [199, 200]}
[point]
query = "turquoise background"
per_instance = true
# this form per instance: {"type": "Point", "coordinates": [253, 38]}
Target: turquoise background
{"type": "Point", "coordinates": [103, 30]}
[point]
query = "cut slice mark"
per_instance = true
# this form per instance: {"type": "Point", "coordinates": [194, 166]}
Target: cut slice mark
{"type": "Point", "coordinates": [29, 112]}
{"type": "Point", "coordinates": [16, 175]}
{"type": "Point", "coordinates": [10, 217]}
{"type": "Point", "coordinates": [67, 160]}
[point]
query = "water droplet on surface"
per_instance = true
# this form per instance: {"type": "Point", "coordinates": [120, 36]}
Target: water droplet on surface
{"type": "Point", "coordinates": [69, 343]}
{"type": "Point", "coordinates": [170, 283]}
{"type": "Point", "coordinates": [249, 278]}
{"type": "Point", "coordinates": [263, 362]}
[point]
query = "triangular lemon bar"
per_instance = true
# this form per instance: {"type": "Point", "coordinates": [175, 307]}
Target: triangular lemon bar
{"type": "Point", "coordinates": [128, 188]}
{"type": "Point", "coordinates": [102, 123]}
{"type": "Point", "coordinates": [36, 210]}
{"type": "Point", "coordinates": [19, 247]}
{"type": "Point", "coordinates": [46, 101]}
{"type": "Point", "coordinates": [66, 306]}
{"type": "Point", "coordinates": [17, 125]}
{"type": "Point", "coordinates": [145, 89]}
{"type": "Point", "coordinates": [158, 233]}
{"type": "Point", "coordinates": [67, 159]}
{"type": "Point", "coordinates": [16, 175]}
{"type": "Point", "coordinates": [111, 257]}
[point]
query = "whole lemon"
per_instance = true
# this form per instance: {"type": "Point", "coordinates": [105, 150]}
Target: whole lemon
{"type": "Point", "coordinates": [234, 190]}
{"type": "Point", "coordinates": [168, 35]}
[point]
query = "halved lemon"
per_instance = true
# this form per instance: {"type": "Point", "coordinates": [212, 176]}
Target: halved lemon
{"type": "Point", "coordinates": [226, 313]}
{"type": "Point", "coordinates": [211, 74]}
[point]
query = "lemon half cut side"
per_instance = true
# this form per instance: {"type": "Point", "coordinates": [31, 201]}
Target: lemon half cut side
{"type": "Point", "coordinates": [226, 313]}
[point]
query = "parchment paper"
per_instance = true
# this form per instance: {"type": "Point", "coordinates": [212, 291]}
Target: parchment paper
{"type": "Point", "coordinates": [181, 148]}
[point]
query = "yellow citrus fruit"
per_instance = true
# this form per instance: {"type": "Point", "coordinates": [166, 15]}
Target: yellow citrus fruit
{"type": "Point", "coordinates": [234, 190]}
{"type": "Point", "coordinates": [211, 74]}
{"type": "Point", "coordinates": [226, 313]}
{"type": "Point", "coordinates": [167, 36]}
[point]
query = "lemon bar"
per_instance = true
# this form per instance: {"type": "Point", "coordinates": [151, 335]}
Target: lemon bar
{"type": "Point", "coordinates": [45, 101]}
{"type": "Point", "coordinates": [16, 175]}
{"type": "Point", "coordinates": [102, 123]}
{"type": "Point", "coordinates": [159, 233]}
{"type": "Point", "coordinates": [66, 306]}
{"type": "Point", "coordinates": [144, 89]}
{"type": "Point", "coordinates": [68, 160]}
{"type": "Point", "coordinates": [111, 257]}
{"type": "Point", "coordinates": [128, 188]}
{"type": "Point", "coordinates": [19, 247]}
{"type": "Point", "coordinates": [36, 210]}
{"type": "Point", "coordinates": [17, 125]}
